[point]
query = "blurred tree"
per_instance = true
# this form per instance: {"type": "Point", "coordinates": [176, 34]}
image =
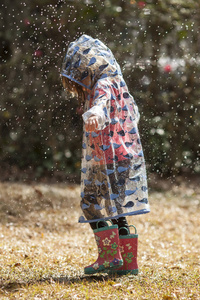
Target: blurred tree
{"type": "Point", "coordinates": [155, 42]}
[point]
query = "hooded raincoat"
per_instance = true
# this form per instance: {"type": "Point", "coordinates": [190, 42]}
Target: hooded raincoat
{"type": "Point", "coordinates": [113, 179]}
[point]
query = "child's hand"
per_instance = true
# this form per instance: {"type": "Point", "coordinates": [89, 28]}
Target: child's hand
{"type": "Point", "coordinates": [92, 123]}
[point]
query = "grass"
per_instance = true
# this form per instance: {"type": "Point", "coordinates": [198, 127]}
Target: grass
{"type": "Point", "coordinates": [43, 249]}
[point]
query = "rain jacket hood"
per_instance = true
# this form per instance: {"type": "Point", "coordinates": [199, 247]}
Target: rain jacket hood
{"type": "Point", "coordinates": [89, 58]}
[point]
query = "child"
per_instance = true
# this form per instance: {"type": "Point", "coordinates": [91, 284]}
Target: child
{"type": "Point", "coordinates": [113, 181]}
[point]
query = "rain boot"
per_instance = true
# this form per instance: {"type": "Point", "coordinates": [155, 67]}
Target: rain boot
{"type": "Point", "coordinates": [107, 239]}
{"type": "Point", "coordinates": [128, 248]}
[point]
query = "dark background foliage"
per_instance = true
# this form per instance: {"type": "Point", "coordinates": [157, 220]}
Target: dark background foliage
{"type": "Point", "coordinates": [157, 45]}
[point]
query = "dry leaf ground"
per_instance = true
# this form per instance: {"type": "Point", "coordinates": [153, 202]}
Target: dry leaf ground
{"type": "Point", "coordinates": [43, 249]}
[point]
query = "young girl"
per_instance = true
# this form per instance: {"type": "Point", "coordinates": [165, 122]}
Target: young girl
{"type": "Point", "coordinates": [113, 181]}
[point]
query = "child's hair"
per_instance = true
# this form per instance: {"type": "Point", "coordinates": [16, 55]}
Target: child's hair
{"type": "Point", "coordinates": [74, 88]}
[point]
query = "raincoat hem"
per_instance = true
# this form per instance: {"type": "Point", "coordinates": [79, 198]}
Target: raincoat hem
{"type": "Point", "coordinates": [139, 212]}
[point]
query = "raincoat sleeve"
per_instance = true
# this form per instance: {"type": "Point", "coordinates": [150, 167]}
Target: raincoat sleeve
{"type": "Point", "coordinates": [100, 106]}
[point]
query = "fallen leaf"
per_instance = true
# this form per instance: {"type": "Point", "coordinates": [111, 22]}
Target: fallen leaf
{"type": "Point", "coordinates": [17, 264]}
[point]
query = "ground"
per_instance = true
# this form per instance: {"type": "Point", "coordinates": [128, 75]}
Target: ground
{"type": "Point", "coordinates": [43, 249]}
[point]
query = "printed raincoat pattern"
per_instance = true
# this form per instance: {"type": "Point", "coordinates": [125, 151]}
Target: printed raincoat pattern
{"type": "Point", "coordinates": [113, 178]}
